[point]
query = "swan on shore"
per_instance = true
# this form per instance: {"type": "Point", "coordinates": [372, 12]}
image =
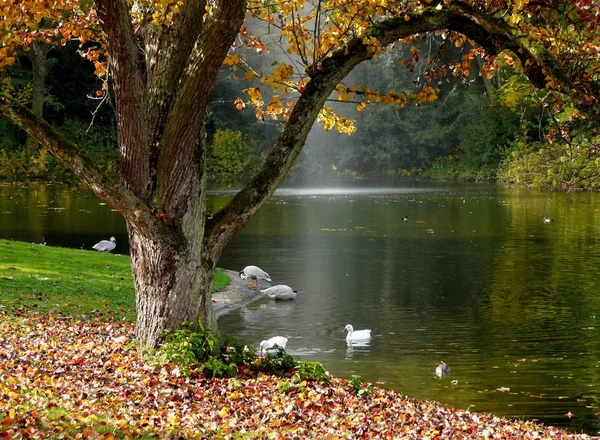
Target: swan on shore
{"type": "Point", "coordinates": [356, 335]}
{"type": "Point", "coordinates": [274, 342]}
{"type": "Point", "coordinates": [106, 245]}
{"type": "Point", "coordinates": [255, 273]}
{"type": "Point", "coordinates": [280, 292]}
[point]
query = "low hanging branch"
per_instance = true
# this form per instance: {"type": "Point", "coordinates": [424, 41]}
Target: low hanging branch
{"type": "Point", "coordinates": [74, 158]}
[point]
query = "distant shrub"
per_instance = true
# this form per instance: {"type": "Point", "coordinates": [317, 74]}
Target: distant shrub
{"type": "Point", "coordinates": [553, 166]}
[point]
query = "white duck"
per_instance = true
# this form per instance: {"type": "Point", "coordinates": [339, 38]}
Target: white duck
{"type": "Point", "coordinates": [106, 245]}
{"type": "Point", "coordinates": [442, 369]}
{"type": "Point", "coordinates": [358, 335]}
{"type": "Point", "coordinates": [255, 273]}
{"type": "Point", "coordinates": [274, 342]}
{"type": "Point", "coordinates": [281, 291]}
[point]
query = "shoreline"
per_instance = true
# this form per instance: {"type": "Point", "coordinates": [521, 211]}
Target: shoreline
{"type": "Point", "coordinates": [235, 296]}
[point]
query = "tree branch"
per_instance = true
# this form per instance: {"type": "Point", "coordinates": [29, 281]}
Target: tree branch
{"type": "Point", "coordinates": [168, 50]}
{"type": "Point", "coordinates": [177, 160]}
{"type": "Point", "coordinates": [69, 154]}
{"type": "Point", "coordinates": [128, 83]}
{"type": "Point", "coordinates": [491, 33]}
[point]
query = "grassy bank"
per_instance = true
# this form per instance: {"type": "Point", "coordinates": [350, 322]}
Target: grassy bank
{"type": "Point", "coordinates": [75, 282]}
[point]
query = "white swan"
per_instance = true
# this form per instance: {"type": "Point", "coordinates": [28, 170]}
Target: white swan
{"type": "Point", "coordinates": [106, 245]}
{"type": "Point", "coordinates": [281, 291]}
{"type": "Point", "coordinates": [356, 335]}
{"type": "Point", "coordinates": [255, 273]}
{"type": "Point", "coordinates": [274, 342]}
{"type": "Point", "coordinates": [442, 369]}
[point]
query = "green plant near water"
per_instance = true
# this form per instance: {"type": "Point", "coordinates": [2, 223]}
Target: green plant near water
{"type": "Point", "coordinates": [359, 386]}
{"type": "Point", "coordinates": [188, 347]}
{"type": "Point", "coordinates": [276, 362]}
{"type": "Point", "coordinates": [215, 367]}
{"type": "Point", "coordinates": [310, 371]}
{"type": "Point", "coordinates": [237, 353]}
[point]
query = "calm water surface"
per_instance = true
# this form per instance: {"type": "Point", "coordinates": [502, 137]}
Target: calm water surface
{"type": "Point", "coordinates": [474, 278]}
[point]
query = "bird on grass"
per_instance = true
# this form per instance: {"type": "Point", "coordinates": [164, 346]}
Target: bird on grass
{"type": "Point", "coordinates": [548, 220]}
{"type": "Point", "coordinates": [280, 292]}
{"type": "Point", "coordinates": [356, 335]}
{"type": "Point", "coordinates": [274, 342]}
{"type": "Point", "coordinates": [405, 218]}
{"type": "Point", "coordinates": [255, 273]}
{"type": "Point", "coordinates": [106, 245]}
{"type": "Point", "coordinates": [442, 369]}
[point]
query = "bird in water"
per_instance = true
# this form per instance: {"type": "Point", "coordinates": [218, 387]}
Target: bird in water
{"type": "Point", "coordinates": [356, 335]}
{"type": "Point", "coordinates": [274, 342]}
{"type": "Point", "coordinates": [255, 273]}
{"type": "Point", "coordinates": [405, 218]}
{"type": "Point", "coordinates": [548, 220]}
{"type": "Point", "coordinates": [442, 369]}
{"type": "Point", "coordinates": [281, 291]}
{"type": "Point", "coordinates": [106, 245]}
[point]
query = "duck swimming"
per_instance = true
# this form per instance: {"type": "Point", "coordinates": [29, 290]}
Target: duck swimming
{"type": "Point", "coordinates": [442, 369]}
{"type": "Point", "coordinates": [356, 335]}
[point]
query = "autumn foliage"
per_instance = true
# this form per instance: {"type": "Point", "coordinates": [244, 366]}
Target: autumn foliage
{"type": "Point", "coordinates": [63, 378]}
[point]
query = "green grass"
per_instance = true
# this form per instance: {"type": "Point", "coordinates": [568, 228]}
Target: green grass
{"type": "Point", "coordinates": [69, 281]}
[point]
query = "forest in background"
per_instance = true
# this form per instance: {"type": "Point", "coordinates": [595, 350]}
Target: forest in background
{"type": "Point", "coordinates": [477, 129]}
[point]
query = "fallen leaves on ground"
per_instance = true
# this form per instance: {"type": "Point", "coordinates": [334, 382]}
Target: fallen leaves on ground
{"type": "Point", "coordinates": [62, 378]}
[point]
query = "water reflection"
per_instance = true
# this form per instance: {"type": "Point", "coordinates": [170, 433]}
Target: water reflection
{"type": "Point", "coordinates": [474, 278]}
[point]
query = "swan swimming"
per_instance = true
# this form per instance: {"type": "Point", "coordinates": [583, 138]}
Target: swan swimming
{"type": "Point", "coordinates": [106, 245]}
{"type": "Point", "coordinates": [275, 341]}
{"type": "Point", "coordinates": [255, 273]}
{"type": "Point", "coordinates": [281, 291]}
{"type": "Point", "coordinates": [356, 335]}
{"type": "Point", "coordinates": [442, 369]}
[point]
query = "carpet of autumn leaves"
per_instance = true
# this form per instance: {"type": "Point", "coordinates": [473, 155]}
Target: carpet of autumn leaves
{"type": "Point", "coordinates": [63, 378]}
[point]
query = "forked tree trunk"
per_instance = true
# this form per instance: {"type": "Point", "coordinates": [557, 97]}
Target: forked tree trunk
{"type": "Point", "coordinates": [173, 272]}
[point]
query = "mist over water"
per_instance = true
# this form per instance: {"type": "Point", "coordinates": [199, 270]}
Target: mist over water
{"type": "Point", "coordinates": [474, 278]}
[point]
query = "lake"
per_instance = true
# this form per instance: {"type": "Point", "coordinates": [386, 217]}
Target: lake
{"type": "Point", "coordinates": [474, 278]}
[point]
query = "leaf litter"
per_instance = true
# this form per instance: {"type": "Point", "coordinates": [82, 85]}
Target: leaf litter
{"type": "Point", "coordinates": [65, 378]}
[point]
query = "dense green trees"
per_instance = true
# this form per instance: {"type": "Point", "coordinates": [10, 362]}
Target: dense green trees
{"type": "Point", "coordinates": [473, 131]}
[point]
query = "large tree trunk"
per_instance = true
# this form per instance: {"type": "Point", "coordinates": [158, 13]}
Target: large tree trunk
{"type": "Point", "coordinates": [173, 270]}
{"type": "Point", "coordinates": [173, 284]}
